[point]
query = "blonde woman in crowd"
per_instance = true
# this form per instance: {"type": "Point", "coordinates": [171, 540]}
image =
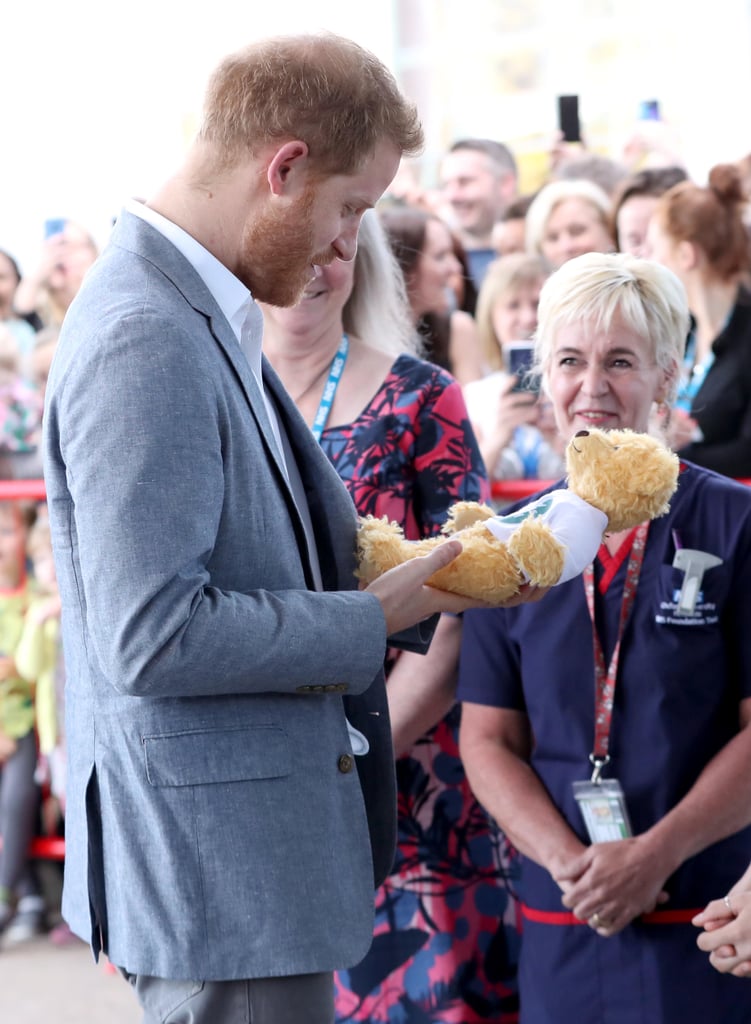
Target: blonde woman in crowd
{"type": "Point", "coordinates": [568, 218]}
{"type": "Point", "coordinates": [512, 424]}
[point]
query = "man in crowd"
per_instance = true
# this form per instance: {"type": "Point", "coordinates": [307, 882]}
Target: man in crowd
{"type": "Point", "coordinates": [478, 179]}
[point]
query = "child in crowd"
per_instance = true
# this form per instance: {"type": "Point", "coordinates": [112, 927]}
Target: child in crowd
{"type": "Point", "coordinates": [20, 413]}
{"type": "Point", "coordinates": [19, 794]}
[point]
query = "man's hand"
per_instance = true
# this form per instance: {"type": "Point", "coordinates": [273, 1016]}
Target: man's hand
{"type": "Point", "coordinates": [407, 600]}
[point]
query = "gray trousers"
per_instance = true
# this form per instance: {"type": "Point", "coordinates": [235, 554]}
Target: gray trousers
{"type": "Point", "coordinates": [19, 804]}
{"type": "Point", "coordinates": [300, 999]}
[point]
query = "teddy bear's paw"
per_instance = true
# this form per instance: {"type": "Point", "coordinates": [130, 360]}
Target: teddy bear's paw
{"type": "Point", "coordinates": [539, 555]}
{"type": "Point", "coordinates": [485, 570]}
{"type": "Point", "coordinates": [381, 546]}
{"type": "Point", "coordinates": [464, 513]}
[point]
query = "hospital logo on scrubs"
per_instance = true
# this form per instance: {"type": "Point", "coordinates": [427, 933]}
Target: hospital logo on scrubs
{"type": "Point", "coordinates": [704, 613]}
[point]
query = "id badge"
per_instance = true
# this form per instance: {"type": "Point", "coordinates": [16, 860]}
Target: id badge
{"type": "Point", "coordinates": [603, 809]}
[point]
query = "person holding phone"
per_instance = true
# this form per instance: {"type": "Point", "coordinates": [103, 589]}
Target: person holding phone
{"type": "Point", "coordinates": [68, 251]}
{"type": "Point", "coordinates": [515, 433]}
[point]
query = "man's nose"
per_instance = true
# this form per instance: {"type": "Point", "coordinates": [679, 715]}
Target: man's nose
{"type": "Point", "coordinates": [345, 244]}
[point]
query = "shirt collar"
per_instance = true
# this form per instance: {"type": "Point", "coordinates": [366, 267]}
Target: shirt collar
{"type": "Point", "coordinates": [231, 295]}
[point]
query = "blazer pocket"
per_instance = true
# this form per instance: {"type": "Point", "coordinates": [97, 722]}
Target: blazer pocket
{"type": "Point", "coordinates": [207, 756]}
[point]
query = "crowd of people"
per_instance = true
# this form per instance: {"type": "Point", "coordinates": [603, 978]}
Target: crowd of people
{"type": "Point", "coordinates": [626, 286]}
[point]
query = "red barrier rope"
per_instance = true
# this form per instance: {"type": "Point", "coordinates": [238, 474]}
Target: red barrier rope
{"type": "Point", "coordinates": [501, 490]}
{"type": "Point", "coordinates": [13, 490]}
{"type": "Point", "coordinates": [515, 490]}
{"type": "Point", "coordinates": [48, 848]}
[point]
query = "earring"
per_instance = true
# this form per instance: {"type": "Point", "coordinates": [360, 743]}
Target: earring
{"type": "Point", "coordinates": [663, 413]}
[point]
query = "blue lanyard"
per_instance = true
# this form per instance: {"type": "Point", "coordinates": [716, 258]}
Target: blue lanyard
{"type": "Point", "coordinates": [528, 445]}
{"type": "Point", "coordinates": [335, 372]}
{"type": "Point", "coordinates": [693, 374]}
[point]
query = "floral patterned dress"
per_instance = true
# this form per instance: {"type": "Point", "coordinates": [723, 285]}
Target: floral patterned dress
{"type": "Point", "coordinates": [446, 932]}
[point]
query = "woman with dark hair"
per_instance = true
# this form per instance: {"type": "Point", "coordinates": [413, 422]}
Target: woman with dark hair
{"type": "Point", "coordinates": [699, 233]}
{"type": "Point", "coordinates": [425, 249]}
{"type": "Point", "coordinates": [635, 202]}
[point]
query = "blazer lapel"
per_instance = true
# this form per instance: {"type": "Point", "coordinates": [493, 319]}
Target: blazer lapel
{"type": "Point", "coordinates": [134, 233]}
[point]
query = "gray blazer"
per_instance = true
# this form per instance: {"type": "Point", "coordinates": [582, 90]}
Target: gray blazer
{"type": "Point", "coordinates": [217, 824]}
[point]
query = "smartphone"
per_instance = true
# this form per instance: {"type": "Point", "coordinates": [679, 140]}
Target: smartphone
{"type": "Point", "coordinates": [649, 110]}
{"type": "Point", "coordinates": [520, 356]}
{"type": "Point", "coordinates": [54, 226]}
{"type": "Point", "coordinates": [568, 118]}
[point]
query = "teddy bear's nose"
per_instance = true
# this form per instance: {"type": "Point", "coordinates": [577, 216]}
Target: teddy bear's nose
{"type": "Point", "coordinates": [582, 433]}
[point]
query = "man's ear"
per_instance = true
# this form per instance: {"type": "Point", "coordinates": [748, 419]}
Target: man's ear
{"type": "Point", "coordinates": [508, 186]}
{"type": "Point", "coordinates": [287, 162]}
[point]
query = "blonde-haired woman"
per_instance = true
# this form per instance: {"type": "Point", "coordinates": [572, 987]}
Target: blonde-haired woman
{"type": "Point", "coordinates": [638, 670]}
{"type": "Point", "coordinates": [516, 435]}
{"type": "Point", "coordinates": [568, 218]}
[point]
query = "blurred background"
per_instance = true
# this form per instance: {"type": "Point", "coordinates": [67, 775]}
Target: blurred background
{"type": "Point", "coordinates": [100, 98]}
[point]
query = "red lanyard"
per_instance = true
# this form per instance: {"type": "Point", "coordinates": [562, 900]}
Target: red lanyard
{"type": "Point", "coordinates": [605, 679]}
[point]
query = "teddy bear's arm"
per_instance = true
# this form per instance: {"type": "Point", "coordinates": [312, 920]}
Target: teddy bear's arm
{"type": "Point", "coordinates": [539, 554]}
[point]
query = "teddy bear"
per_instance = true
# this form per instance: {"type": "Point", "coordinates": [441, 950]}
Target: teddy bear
{"type": "Point", "coordinates": [615, 480]}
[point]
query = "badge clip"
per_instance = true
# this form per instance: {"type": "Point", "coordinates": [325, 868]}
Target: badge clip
{"type": "Point", "coordinates": [598, 764]}
{"type": "Point", "coordinates": [694, 564]}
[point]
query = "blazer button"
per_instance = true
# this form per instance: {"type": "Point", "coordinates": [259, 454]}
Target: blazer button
{"type": "Point", "coordinates": [345, 763]}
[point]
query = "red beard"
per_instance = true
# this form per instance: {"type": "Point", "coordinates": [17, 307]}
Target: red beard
{"type": "Point", "coordinates": [277, 253]}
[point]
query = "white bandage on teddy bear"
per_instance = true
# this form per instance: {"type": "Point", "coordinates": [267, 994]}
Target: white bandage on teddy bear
{"type": "Point", "coordinates": [574, 523]}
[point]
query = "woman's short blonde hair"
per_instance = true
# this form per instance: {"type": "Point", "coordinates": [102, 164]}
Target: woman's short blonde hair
{"type": "Point", "coordinates": [598, 287]}
{"type": "Point", "coordinates": [504, 276]}
{"type": "Point", "coordinates": [556, 192]}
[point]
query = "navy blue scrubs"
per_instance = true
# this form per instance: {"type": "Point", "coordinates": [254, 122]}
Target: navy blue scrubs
{"type": "Point", "coordinates": [680, 681]}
